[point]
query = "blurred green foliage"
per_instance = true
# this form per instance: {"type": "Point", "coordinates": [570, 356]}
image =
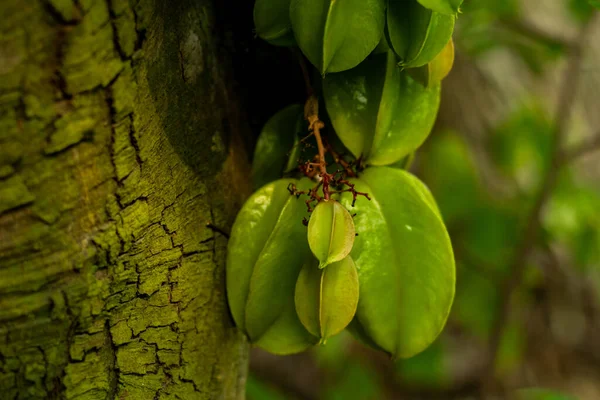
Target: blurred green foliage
{"type": "Point", "coordinates": [487, 25]}
{"type": "Point", "coordinates": [542, 394]}
{"type": "Point", "coordinates": [258, 390]}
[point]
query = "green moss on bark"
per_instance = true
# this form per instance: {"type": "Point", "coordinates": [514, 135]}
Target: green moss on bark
{"type": "Point", "coordinates": [114, 155]}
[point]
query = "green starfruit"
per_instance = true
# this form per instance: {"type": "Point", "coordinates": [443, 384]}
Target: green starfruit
{"type": "Point", "coordinates": [277, 146]}
{"type": "Point", "coordinates": [405, 263]}
{"type": "Point", "coordinates": [266, 251]}
{"type": "Point", "coordinates": [415, 33]}
{"type": "Point", "coordinates": [326, 299]}
{"type": "Point", "coordinates": [443, 6]}
{"type": "Point", "coordinates": [337, 35]}
{"type": "Point", "coordinates": [433, 73]}
{"type": "Point", "coordinates": [378, 111]}
{"type": "Point", "coordinates": [330, 232]}
{"type": "Point", "coordinates": [272, 22]}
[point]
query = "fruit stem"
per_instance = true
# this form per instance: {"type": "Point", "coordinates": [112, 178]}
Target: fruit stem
{"type": "Point", "coordinates": [311, 113]}
{"type": "Point", "coordinates": [305, 74]}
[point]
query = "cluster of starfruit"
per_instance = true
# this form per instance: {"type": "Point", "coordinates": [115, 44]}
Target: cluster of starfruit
{"type": "Point", "coordinates": [346, 238]}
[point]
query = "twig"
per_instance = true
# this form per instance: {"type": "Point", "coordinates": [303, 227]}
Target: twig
{"type": "Point", "coordinates": [318, 168]}
{"type": "Point", "coordinates": [530, 232]}
{"type": "Point", "coordinates": [311, 113]}
{"type": "Point", "coordinates": [340, 160]}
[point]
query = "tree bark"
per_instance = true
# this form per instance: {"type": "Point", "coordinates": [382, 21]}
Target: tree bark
{"type": "Point", "coordinates": [119, 142]}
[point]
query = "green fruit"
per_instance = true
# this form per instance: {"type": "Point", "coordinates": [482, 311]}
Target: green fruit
{"type": "Point", "coordinates": [382, 46]}
{"type": "Point", "coordinates": [431, 74]}
{"type": "Point", "coordinates": [326, 299]}
{"type": "Point", "coordinates": [415, 33]}
{"type": "Point", "coordinates": [278, 138]}
{"type": "Point", "coordinates": [405, 263]}
{"type": "Point", "coordinates": [295, 155]}
{"type": "Point", "coordinates": [266, 251]}
{"type": "Point", "coordinates": [337, 35]}
{"type": "Point", "coordinates": [272, 22]}
{"type": "Point", "coordinates": [378, 111]}
{"type": "Point", "coordinates": [330, 232]}
{"type": "Point", "coordinates": [442, 6]}
{"type": "Point", "coordinates": [358, 332]}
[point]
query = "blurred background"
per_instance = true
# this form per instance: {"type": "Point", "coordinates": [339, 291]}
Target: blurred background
{"type": "Point", "coordinates": [514, 163]}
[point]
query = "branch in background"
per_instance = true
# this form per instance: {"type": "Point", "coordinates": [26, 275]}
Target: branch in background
{"type": "Point", "coordinates": [566, 101]}
{"type": "Point", "coordinates": [392, 385]}
{"type": "Point", "coordinates": [586, 147]}
{"type": "Point", "coordinates": [534, 32]}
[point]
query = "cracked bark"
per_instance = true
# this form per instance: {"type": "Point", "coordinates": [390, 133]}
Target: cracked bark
{"type": "Point", "coordinates": [119, 142]}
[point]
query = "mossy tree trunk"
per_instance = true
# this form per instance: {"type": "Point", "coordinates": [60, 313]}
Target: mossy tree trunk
{"type": "Point", "coordinates": [119, 143]}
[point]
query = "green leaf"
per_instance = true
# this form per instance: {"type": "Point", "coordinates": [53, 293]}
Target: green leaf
{"type": "Point", "coordinates": [433, 73]}
{"type": "Point", "coordinates": [595, 3]}
{"type": "Point", "coordinates": [277, 138]}
{"type": "Point", "coordinates": [266, 251]}
{"type": "Point", "coordinates": [326, 299]}
{"type": "Point", "coordinates": [415, 33]}
{"type": "Point", "coordinates": [442, 6]}
{"type": "Point", "coordinates": [405, 263]}
{"type": "Point", "coordinates": [581, 10]}
{"type": "Point", "coordinates": [272, 22]}
{"type": "Point", "coordinates": [337, 35]}
{"type": "Point", "coordinates": [330, 232]}
{"type": "Point", "coordinates": [378, 111]}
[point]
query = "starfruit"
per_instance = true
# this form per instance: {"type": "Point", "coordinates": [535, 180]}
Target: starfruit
{"type": "Point", "coordinates": [415, 33]}
{"type": "Point", "coordinates": [266, 251]}
{"type": "Point", "coordinates": [431, 74]}
{"type": "Point", "coordinates": [337, 35]}
{"type": "Point", "coordinates": [378, 111]}
{"type": "Point", "coordinates": [277, 148]}
{"type": "Point", "coordinates": [330, 232]}
{"type": "Point", "coordinates": [326, 299]}
{"type": "Point", "coordinates": [272, 22]}
{"type": "Point", "coordinates": [443, 6]}
{"type": "Point", "coordinates": [405, 263]}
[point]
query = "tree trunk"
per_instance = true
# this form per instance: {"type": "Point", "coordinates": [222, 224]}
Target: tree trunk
{"type": "Point", "coordinates": [119, 142]}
